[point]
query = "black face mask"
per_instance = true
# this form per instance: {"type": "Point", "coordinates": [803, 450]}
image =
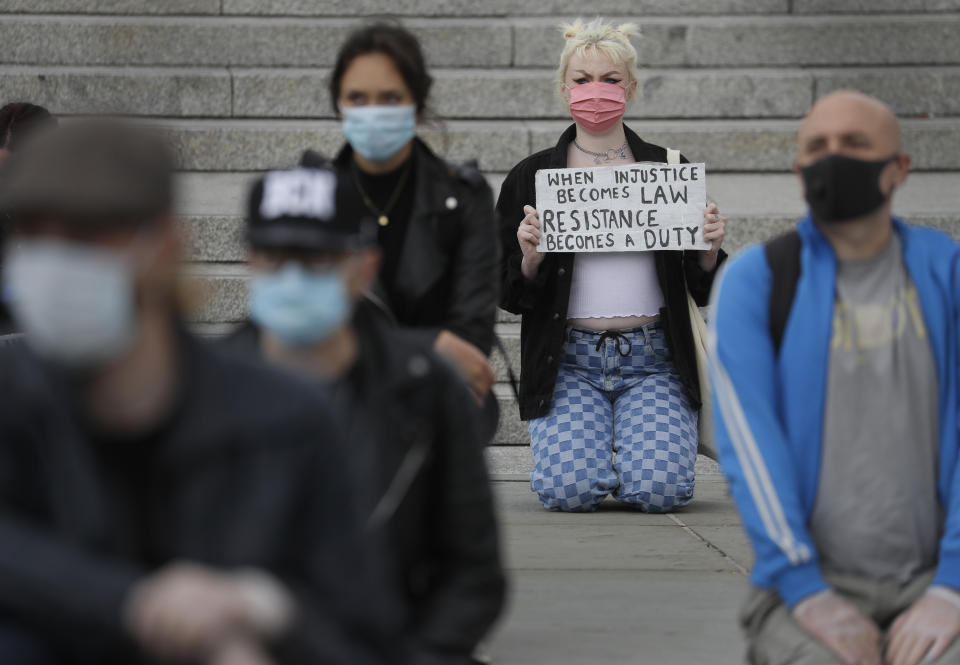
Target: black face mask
{"type": "Point", "coordinates": [841, 188]}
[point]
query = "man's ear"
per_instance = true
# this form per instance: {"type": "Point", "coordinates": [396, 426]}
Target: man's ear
{"type": "Point", "coordinates": [903, 162]}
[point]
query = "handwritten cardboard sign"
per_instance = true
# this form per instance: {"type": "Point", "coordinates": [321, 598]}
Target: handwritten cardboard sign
{"type": "Point", "coordinates": [628, 208]}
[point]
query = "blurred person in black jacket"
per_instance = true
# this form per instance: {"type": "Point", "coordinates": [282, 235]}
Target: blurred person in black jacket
{"type": "Point", "coordinates": [159, 501]}
{"type": "Point", "coordinates": [409, 418]}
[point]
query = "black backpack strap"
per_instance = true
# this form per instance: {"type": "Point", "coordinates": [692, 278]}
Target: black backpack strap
{"type": "Point", "coordinates": [783, 257]}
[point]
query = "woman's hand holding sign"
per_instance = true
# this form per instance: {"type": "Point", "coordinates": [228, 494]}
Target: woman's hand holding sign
{"type": "Point", "coordinates": [714, 229]}
{"type": "Point", "coordinates": [528, 235]}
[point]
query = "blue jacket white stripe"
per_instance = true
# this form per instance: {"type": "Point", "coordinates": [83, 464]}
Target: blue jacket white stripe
{"type": "Point", "coordinates": [769, 409]}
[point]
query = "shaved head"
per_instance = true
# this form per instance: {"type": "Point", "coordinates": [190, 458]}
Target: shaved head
{"type": "Point", "coordinates": [849, 123]}
{"type": "Point", "coordinates": [849, 163]}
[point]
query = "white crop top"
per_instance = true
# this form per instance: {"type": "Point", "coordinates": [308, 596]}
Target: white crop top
{"type": "Point", "coordinates": [608, 284]}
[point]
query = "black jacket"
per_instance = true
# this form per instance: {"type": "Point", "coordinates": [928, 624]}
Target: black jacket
{"type": "Point", "coordinates": [429, 494]}
{"type": "Point", "coordinates": [447, 276]}
{"type": "Point", "coordinates": [249, 471]}
{"type": "Point", "coordinates": [543, 301]}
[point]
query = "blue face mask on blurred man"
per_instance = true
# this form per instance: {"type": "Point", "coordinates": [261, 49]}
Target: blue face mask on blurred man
{"type": "Point", "coordinates": [298, 306]}
{"type": "Point", "coordinates": [378, 133]}
{"type": "Point", "coordinates": [73, 301]}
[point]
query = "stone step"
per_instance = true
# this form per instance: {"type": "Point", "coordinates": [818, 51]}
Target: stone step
{"type": "Point", "coordinates": [512, 431]}
{"type": "Point", "coordinates": [219, 290]}
{"type": "Point", "coordinates": [770, 145]}
{"type": "Point", "coordinates": [216, 298]}
{"type": "Point", "coordinates": [253, 145]}
{"type": "Point", "coordinates": [472, 94]}
{"type": "Point", "coordinates": [471, 8]}
{"type": "Point", "coordinates": [375, 8]}
{"type": "Point", "coordinates": [664, 93]}
{"type": "Point", "coordinates": [502, 7]}
{"type": "Point", "coordinates": [725, 145]}
{"type": "Point", "coordinates": [214, 240]}
{"type": "Point", "coordinates": [159, 91]}
{"type": "Point", "coordinates": [711, 41]}
{"type": "Point", "coordinates": [199, 41]}
{"type": "Point", "coordinates": [644, 8]}
{"type": "Point", "coordinates": [509, 462]}
{"type": "Point", "coordinates": [874, 6]}
{"type": "Point", "coordinates": [770, 41]}
{"type": "Point", "coordinates": [740, 195]}
{"type": "Point", "coordinates": [172, 7]}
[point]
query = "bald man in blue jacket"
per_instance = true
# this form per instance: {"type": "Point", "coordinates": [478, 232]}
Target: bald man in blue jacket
{"type": "Point", "coordinates": [838, 429]}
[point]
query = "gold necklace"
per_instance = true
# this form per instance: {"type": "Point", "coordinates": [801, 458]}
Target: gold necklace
{"type": "Point", "coordinates": [382, 215]}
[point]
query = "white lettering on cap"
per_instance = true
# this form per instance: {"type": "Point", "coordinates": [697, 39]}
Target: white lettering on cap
{"type": "Point", "coordinates": [299, 193]}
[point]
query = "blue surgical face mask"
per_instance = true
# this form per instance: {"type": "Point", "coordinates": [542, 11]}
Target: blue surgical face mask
{"type": "Point", "coordinates": [74, 302]}
{"type": "Point", "coordinates": [298, 306]}
{"type": "Point", "coordinates": [379, 132]}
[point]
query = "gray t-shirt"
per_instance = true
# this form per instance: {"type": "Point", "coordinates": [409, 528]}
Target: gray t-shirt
{"type": "Point", "coordinates": [877, 513]}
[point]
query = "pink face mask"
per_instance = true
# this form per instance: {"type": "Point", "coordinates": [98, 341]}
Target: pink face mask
{"type": "Point", "coordinates": [597, 106]}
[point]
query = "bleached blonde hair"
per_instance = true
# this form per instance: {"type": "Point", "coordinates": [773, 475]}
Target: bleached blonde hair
{"type": "Point", "coordinates": [604, 38]}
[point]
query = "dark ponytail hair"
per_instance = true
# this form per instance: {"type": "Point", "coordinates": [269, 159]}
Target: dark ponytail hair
{"type": "Point", "coordinates": [396, 43]}
{"type": "Point", "coordinates": [20, 119]}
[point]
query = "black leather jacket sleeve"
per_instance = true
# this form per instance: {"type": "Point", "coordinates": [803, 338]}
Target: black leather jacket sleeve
{"type": "Point", "coordinates": [517, 293]}
{"type": "Point", "coordinates": [700, 281]}
{"type": "Point", "coordinates": [473, 296]}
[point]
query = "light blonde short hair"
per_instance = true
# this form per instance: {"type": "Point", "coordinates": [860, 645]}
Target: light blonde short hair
{"type": "Point", "coordinates": [604, 38]}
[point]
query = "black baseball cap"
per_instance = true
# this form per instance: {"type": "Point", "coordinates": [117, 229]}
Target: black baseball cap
{"type": "Point", "coordinates": [309, 208]}
{"type": "Point", "coordinates": [92, 173]}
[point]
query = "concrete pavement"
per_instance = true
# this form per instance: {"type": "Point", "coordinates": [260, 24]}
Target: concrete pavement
{"type": "Point", "coordinates": [621, 587]}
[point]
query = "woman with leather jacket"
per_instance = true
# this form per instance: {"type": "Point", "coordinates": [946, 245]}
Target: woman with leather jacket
{"type": "Point", "coordinates": [608, 373]}
{"type": "Point", "coordinates": [437, 227]}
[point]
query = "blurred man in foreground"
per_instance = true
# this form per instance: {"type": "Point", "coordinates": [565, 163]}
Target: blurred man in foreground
{"type": "Point", "coordinates": [835, 370]}
{"type": "Point", "coordinates": [158, 501]}
{"type": "Point", "coordinates": [409, 417]}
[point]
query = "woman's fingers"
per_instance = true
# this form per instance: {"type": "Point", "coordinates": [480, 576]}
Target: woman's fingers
{"type": "Point", "coordinates": [532, 236]}
{"type": "Point", "coordinates": [715, 230]}
{"type": "Point", "coordinates": [531, 217]}
{"type": "Point", "coordinates": [528, 233]}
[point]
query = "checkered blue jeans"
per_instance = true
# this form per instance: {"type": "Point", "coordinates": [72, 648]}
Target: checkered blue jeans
{"type": "Point", "coordinates": [620, 423]}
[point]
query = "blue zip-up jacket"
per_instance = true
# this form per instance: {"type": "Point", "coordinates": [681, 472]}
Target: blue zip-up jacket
{"type": "Point", "coordinates": [769, 408]}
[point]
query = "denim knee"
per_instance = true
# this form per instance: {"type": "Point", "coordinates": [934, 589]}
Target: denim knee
{"type": "Point", "coordinates": [580, 493]}
{"type": "Point", "coordinates": [652, 496]}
